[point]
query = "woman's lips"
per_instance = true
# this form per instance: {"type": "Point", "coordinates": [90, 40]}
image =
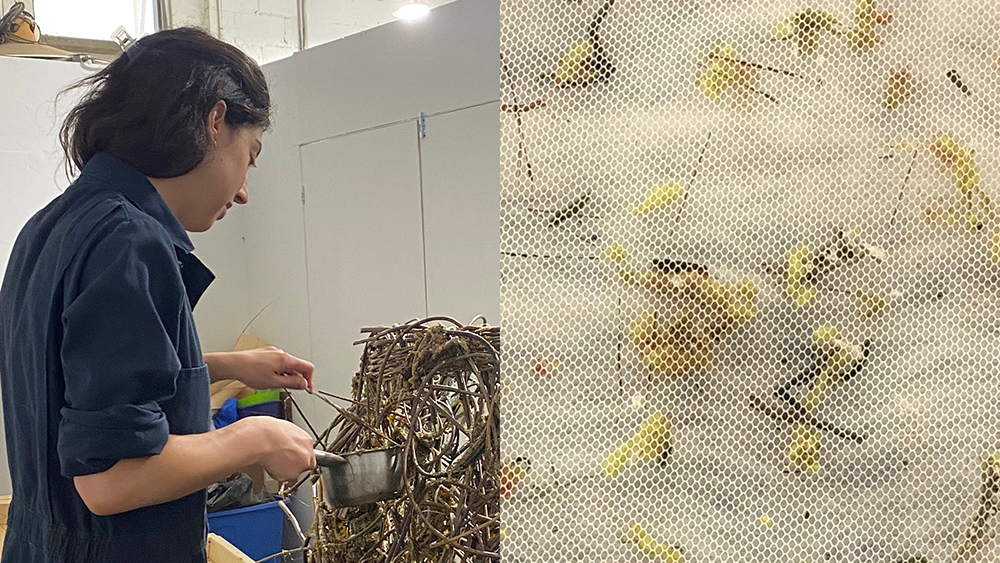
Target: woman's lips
{"type": "Point", "coordinates": [224, 210]}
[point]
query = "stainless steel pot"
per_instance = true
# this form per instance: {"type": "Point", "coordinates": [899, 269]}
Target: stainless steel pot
{"type": "Point", "coordinates": [361, 478]}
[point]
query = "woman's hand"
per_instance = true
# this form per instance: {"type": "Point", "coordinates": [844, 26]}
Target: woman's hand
{"type": "Point", "coordinates": [262, 368]}
{"type": "Point", "coordinates": [194, 461]}
{"type": "Point", "coordinates": [288, 449]}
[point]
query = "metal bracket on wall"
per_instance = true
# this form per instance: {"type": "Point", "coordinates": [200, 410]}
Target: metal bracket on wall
{"type": "Point", "coordinates": [422, 125]}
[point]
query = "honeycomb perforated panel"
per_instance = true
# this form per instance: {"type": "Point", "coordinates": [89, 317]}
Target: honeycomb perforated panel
{"type": "Point", "coordinates": [750, 281]}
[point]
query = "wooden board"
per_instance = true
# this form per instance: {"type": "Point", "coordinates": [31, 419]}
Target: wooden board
{"type": "Point", "coordinates": [221, 551]}
{"type": "Point", "coordinates": [4, 505]}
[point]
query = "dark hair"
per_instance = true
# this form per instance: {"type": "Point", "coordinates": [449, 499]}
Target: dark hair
{"type": "Point", "coordinates": [149, 106]}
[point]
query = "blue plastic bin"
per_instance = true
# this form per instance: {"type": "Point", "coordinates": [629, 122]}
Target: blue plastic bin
{"type": "Point", "coordinates": [254, 530]}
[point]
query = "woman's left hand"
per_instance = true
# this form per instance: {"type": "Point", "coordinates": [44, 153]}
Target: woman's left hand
{"type": "Point", "coordinates": [262, 368]}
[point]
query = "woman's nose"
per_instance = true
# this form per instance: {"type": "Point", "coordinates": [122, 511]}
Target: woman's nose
{"type": "Point", "coordinates": [243, 195]}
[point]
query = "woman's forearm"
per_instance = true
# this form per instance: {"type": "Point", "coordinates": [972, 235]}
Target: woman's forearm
{"type": "Point", "coordinates": [261, 368]}
{"type": "Point", "coordinates": [219, 365]}
{"type": "Point", "coordinates": [186, 464]}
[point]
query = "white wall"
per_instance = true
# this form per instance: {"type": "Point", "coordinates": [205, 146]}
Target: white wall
{"type": "Point", "coordinates": [31, 165]}
{"type": "Point", "coordinates": [30, 156]}
{"type": "Point", "coordinates": [267, 30]}
{"type": "Point", "coordinates": [224, 310]}
{"type": "Point", "coordinates": [343, 95]}
{"type": "Point", "coordinates": [327, 20]}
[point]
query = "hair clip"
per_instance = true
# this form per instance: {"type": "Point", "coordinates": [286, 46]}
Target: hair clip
{"type": "Point", "coordinates": [130, 46]}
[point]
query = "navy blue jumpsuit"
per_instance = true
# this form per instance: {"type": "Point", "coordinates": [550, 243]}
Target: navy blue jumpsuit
{"type": "Point", "coordinates": [100, 361]}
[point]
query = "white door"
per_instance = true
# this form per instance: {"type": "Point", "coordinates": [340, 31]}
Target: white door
{"type": "Point", "coordinates": [364, 249]}
{"type": "Point", "coordinates": [461, 186]}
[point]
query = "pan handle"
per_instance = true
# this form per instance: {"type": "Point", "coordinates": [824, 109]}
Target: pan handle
{"type": "Point", "coordinates": [294, 520]}
{"type": "Point", "coordinates": [327, 459]}
{"type": "Point", "coordinates": [395, 457]}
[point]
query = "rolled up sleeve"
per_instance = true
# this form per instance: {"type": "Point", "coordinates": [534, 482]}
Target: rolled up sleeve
{"type": "Point", "coordinates": [119, 351]}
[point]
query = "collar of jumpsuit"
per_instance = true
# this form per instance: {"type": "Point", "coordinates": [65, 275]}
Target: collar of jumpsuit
{"type": "Point", "coordinates": [109, 170]}
{"type": "Point", "coordinates": [100, 361]}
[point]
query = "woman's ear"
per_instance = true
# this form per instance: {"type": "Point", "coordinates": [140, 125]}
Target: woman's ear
{"type": "Point", "coordinates": [216, 121]}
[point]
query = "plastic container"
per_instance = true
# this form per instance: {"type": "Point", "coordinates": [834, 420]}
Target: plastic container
{"type": "Point", "coordinates": [266, 402]}
{"type": "Point", "coordinates": [254, 530]}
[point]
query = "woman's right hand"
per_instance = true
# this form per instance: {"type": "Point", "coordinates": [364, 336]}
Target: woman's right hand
{"type": "Point", "coordinates": [191, 462]}
{"type": "Point", "coordinates": [286, 449]}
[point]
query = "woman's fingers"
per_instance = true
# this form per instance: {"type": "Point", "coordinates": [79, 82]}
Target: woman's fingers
{"type": "Point", "coordinates": [295, 381]}
{"type": "Point", "coordinates": [301, 368]}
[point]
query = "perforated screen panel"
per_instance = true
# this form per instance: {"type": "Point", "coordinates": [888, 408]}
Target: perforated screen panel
{"type": "Point", "coordinates": [750, 281]}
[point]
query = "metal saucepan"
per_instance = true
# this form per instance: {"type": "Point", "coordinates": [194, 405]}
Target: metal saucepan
{"type": "Point", "coordinates": [361, 478]}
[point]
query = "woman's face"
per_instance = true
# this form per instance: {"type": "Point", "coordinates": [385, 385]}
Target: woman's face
{"type": "Point", "coordinates": [235, 151]}
{"type": "Point", "coordinates": [202, 196]}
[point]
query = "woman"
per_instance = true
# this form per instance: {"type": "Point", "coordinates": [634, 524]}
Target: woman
{"type": "Point", "coordinates": [105, 388]}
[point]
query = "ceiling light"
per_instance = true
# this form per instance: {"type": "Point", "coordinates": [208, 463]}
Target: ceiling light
{"type": "Point", "coordinates": [412, 11]}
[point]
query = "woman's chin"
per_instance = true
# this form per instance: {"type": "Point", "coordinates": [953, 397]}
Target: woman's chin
{"type": "Point", "coordinates": [202, 227]}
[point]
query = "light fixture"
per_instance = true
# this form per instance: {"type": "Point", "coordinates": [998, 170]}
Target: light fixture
{"type": "Point", "coordinates": [412, 11]}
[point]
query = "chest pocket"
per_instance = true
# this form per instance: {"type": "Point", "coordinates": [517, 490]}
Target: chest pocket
{"type": "Point", "coordinates": [189, 410]}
